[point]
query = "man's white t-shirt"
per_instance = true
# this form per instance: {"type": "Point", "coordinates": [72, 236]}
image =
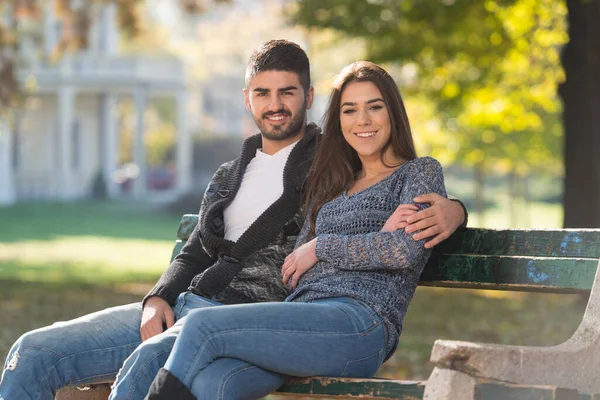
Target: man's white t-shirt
{"type": "Point", "coordinates": [262, 184]}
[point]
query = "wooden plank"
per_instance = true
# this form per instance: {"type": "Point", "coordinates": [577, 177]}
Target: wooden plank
{"type": "Point", "coordinates": [454, 264]}
{"type": "Point", "coordinates": [89, 392]}
{"type": "Point", "coordinates": [186, 226]}
{"type": "Point", "coordinates": [579, 243]}
{"type": "Point", "coordinates": [354, 388]}
{"type": "Point", "coordinates": [505, 391]}
{"type": "Point", "coordinates": [510, 273]}
{"type": "Point", "coordinates": [178, 245]}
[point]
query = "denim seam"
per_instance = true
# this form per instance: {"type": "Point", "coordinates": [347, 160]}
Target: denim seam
{"type": "Point", "coordinates": [84, 381]}
{"type": "Point", "coordinates": [62, 358]}
{"type": "Point", "coordinates": [140, 370]}
{"type": "Point", "coordinates": [180, 307]}
{"type": "Point", "coordinates": [353, 317]}
{"type": "Point", "coordinates": [230, 375]}
{"type": "Point", "coordinates": [378, 354]}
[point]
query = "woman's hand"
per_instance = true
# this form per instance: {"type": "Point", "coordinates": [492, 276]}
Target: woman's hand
{"type": "Point", "coordinates": [298, 262]}
{"type": "Point", "coordinates": [398, 220]}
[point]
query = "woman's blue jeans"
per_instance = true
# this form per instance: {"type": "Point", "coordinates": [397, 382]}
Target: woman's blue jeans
{"type": "Point", "coordinates": [246, 351]}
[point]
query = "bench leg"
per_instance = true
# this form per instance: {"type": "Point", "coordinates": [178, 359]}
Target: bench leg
{"type": "Point", "coordinates": [574, 364]}
{"type": "Point", "coordinates": [446, 384]}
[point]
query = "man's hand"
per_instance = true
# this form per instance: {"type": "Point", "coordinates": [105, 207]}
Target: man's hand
{"type": "Point", "coordinates": [156, 312]}
{"type": "Point", "coordinates": [301, 260]}
{"type": "Point", "coordinates": [437, 222]}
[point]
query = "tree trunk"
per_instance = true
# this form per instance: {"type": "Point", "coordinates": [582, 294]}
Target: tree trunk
{"type": "Point", "coordinates": [480, 194]}
{"type": "Point", "coordinates": [513, 193]}
{"type": "Point", "coordinates": [581, 115]}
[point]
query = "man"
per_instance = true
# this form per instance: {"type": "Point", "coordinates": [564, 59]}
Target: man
{"type": "Point", "coordinates": [249, 218]}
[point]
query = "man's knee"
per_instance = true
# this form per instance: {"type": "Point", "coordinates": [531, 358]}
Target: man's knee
{"type": "Point", "coordinates": [30, 362]}
{"type": "Point", "coordinates": [35, 347]}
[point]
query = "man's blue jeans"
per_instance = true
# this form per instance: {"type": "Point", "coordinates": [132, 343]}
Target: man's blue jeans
{"type": "Point", "coordinates": [331, 337]}
{"type": "Point", "coordinates": [91, 349]}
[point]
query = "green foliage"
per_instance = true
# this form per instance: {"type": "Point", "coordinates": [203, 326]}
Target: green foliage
{"type": "Point", "coordinates": [489, 67]}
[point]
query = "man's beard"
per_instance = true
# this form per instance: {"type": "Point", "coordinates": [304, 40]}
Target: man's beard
{"type": "Point", "coordinates": [282, 132]}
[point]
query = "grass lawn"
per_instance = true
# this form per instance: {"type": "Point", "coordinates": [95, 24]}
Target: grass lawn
{"type": "Point", "coordinates": [89, 242]}
{"type": "Point", "coordinates": [50, 253]}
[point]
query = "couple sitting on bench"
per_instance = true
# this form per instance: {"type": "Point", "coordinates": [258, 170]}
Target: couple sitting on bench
{"type": "Point", "coordinates": [325, 222]}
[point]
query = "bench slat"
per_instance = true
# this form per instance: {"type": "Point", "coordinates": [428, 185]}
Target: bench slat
{"type": "Point", "coordinates": [562, 275]}
{"type": "Point", "coordinates": [355, 388]}
{"type": "Point", "coordinates": [580, 243]}
{"type": "Point", "coordinates": [186, 226]}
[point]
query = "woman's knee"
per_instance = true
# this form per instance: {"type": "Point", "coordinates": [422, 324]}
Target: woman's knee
{"type": "Point", "coordinates": [232, 379]}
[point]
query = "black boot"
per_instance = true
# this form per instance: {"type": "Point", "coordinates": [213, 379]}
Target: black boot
{"type": "Point", "coordinates": [167, 386]}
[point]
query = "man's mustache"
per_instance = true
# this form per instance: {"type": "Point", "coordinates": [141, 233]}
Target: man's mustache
{"type": "Point", "coordinates": [282, 111]}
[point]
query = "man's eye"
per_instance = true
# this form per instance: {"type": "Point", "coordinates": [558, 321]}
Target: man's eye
{"type": "Point", "coordinates": [261, 94]}
{"type": "Point", "coordinates": [288, 93]}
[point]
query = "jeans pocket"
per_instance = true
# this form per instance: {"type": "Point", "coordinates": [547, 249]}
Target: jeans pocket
{"type": "Point", "coordinates": [363, 368]}
{"type": "Point", "coordinates": [179, 303]}
{"type": "Point", "coordinates": [363, 318]}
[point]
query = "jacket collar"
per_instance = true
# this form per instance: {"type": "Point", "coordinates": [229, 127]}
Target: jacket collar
{"type": "Point", "coordinates": [272, 221]}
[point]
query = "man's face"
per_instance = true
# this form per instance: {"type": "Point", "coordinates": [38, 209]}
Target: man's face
{"type": "Point", "coordinates": [278, 104]}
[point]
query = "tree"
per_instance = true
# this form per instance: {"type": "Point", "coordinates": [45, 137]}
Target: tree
{"type": "Point", "coordinates": [492, 69]}
{"type": "Point", "coordinates": [22, 17]}
{"type": "Point", "coordinates": [581, 116]}
{"type": "Point", "coordinates": [19, 18]}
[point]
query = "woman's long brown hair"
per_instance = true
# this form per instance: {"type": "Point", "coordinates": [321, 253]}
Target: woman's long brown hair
{"type": "Point", "coordinates": [336, 163]}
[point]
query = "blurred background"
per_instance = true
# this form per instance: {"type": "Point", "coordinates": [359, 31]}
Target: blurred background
{"type": "Point", "coordinates": [114, 115]}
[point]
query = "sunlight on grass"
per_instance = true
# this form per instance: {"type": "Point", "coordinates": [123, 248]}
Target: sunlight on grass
{"type": "Point", "coordinates": [536, 215]}
{"type": "Point", "coordinates": [79, 258]}
{"type": "Point", "coordinates": [132, 254]}
{"type": "Point", "coordinates": [85, 242]}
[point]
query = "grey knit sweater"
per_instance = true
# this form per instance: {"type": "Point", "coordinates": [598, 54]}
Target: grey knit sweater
{"type": "Point", "coordinates": [356, 260]}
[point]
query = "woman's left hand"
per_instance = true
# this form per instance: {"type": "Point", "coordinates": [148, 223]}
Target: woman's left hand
{"type": "Point", "coordinates": [298, 262]}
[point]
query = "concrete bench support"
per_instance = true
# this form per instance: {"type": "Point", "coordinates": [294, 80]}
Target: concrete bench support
{"type": "Point", "coordinates": [574, 364]}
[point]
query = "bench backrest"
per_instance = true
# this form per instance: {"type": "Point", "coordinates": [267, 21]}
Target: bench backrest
{"type": "Point", "coordinates": [562, 260]}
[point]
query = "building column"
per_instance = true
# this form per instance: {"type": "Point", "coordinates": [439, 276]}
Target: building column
{"type": "Point", "coordinates": [66, 106]}
{"type": "Point", "coordinates": [109, 141]}
{"type": "Point", "coordinates": [140, 186]}
{"type": "Point", "coordinates": [184, 145]}
{"type": "Point", "coordinates": [7, 183]}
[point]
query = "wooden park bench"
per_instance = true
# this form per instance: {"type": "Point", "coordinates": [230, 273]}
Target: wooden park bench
{"type": "Point", "coordinates": [549, 261]}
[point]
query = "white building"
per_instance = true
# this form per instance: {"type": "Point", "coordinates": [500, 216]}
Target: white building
{"type": "Point", "coordinates": [69, 131]}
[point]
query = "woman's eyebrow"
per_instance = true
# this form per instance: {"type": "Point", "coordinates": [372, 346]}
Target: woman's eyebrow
{"type": "Point", "coordinates": [351, 103]}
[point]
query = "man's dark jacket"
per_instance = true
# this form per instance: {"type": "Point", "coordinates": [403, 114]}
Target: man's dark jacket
{"type": "Point", "coordinates": [248, 270]}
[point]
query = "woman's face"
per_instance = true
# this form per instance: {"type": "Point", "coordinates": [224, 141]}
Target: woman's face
{"type": "Point", "coordinates": [364, 119]}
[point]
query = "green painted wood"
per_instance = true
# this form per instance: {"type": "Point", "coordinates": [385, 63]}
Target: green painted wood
{"type": "Point", "coordinates": [178, 245]}
{"type": "Point", "coordinates": [548, 260]}
{"type": "Point", "coordinates": [579, 243]}
{"type": "Point", "coordinates": [186, 226]}
{"type": "Point", "coordinates": [355, 388]}
{"type": "Point", "coordinates": [504, 391]}
{"type": "Point", "coordinates": [510, 273]}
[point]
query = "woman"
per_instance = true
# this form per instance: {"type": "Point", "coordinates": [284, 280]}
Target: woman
{"type": "Point", "coordinates": [352, 280]}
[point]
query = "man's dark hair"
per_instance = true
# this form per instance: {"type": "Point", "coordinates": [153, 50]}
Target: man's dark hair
{"type": "Point", "coordinates": [279, 55]}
